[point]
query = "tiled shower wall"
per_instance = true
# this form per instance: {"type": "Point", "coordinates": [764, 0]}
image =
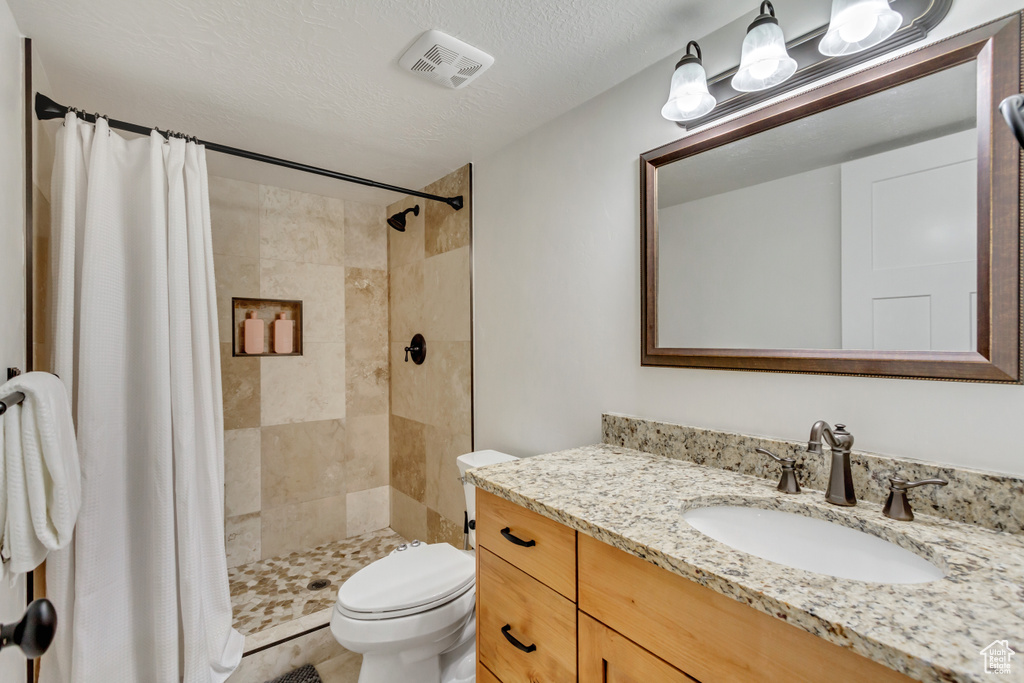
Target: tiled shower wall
{"type": "Point", "coordinates": [431, 404]}
{"type": "Point", "coordinates": [306, 438]}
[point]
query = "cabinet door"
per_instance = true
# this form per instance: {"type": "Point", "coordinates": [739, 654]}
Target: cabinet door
{"type": "Point", "coordinates": [607, 657]}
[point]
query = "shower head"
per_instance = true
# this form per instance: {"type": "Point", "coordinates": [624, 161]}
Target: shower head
{"type": "Point", "coordinates": [398, 220]}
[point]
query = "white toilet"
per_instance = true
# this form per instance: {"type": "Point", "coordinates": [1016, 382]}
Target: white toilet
{"type": "Point", "coordinates": [412, 614]}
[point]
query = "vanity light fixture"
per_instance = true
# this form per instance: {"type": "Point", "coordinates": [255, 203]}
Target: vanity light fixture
{"type": "Point", "coordinates": [764, 61]}
{"type": "Point", "coordinates": [857, 25]}
{"type": "Point", "coordinates": [688, 98]}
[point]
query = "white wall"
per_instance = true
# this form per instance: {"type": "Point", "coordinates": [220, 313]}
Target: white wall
{"type": "Point", "coordinates": [754, 268]}
{"type": "Point", "coordinates": [557, 307]}
{"type": "Point", "coordinates": [12, 269]}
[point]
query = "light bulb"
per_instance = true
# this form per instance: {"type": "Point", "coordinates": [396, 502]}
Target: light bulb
{"type": "Point", "coordinates": [764, 68]}
{"type": "Point", "coordinates": [858, 26]}
{"type": "Point", "coordinates": [689, 102]}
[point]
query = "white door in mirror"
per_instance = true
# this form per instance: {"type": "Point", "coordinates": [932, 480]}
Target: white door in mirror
{"type": "Point", "coordinates": [909, 247]}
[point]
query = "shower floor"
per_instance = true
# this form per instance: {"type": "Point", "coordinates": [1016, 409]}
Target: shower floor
{"type": "Point", "coordinates": [271, 599]}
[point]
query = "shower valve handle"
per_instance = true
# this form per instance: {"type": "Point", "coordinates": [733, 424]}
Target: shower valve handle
{"type": "Point", "coordinates": [417, 350]}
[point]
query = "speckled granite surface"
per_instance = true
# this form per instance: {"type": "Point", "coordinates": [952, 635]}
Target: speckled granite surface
{"type": "Point", "coordinates": [932, 631]}
{"type": "Point", "coordinates": [273, 592]}
{"type": "Point", "coordinates": [989, 499]}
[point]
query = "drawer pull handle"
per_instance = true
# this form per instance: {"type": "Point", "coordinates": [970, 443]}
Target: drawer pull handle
{"type": "Point", "coordinates": [512, 639]}
{"type": "Point", "coordinates": [515, 539]}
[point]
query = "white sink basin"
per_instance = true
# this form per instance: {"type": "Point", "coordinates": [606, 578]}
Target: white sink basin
{"type": "Point", "coordinates": [812, 544]}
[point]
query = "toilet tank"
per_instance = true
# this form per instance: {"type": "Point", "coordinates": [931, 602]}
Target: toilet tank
{"type": "Point", "coordinates": [477, 459]}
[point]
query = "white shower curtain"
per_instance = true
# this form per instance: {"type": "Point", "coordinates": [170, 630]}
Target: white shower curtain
{"type": "Point", "coordinates": [142, 593]}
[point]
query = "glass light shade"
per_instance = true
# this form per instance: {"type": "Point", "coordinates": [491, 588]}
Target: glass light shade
{"type": "Point", "coordinates": [764, 61]}
{"type": "Point", "coordinates": [857, 25]}
{"type": "Point", "coordinates": [688, 98]}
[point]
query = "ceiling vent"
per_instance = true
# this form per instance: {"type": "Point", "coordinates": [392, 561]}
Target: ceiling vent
{"type": "Point", "coordinates": [445, 60]}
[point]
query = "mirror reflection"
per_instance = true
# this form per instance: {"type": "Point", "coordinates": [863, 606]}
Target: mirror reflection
{"type": "Point", "coordinates": [854, 228]}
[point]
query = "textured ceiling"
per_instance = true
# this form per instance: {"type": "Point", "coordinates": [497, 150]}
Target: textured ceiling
{"type": "Point", "coordinates": [318, 80]}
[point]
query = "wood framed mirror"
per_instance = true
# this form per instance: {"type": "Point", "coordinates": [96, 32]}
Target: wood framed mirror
{"type": "Point", "coordinates": [870, 226]}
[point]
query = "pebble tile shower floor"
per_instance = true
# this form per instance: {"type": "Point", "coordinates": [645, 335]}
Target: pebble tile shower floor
{"type": "Point", "coordinates": [272, 592]}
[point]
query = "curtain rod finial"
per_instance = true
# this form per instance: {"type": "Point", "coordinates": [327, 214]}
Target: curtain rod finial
{"type": "Point", "coordinates": [48, 109]}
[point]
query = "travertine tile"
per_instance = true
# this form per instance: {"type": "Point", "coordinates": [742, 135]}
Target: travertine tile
{"type": "Point", "coordinates": [240, 378]}
{"type": "Point", "coordinates": [450, 396]}
{"type": "Point", "coordinates": [408, 457]}
{"type": "Point", "coordinates": [368, 510]}
{"type": "Point", "coordinates": [341, 669]}
{"type": "Point", "coordinates": [366, 342]}
{"type": "Point", "coordinates": [234, 217]}
{"type": "Point", "coordinates": [442, 530]}
{"type": "Point", "coordinates": [304, 388]}
{"type": "Point", "coordinates": [302, 461]}
{"type": "Point", "coordinates": [406, 247]}
{"type": "Point", "coordinates": [366, 236]}
{"type": "Point", "coordinates": [444, 492]}
{"type": "Point", "coordinates": [312, 648]}
{"type": "Point", "coordinates": [366, 313]}
{"type": "Point", "coordinates": [237, 276]}
{"type": "Point", "coordinates": [301, 526]}
{"type": "Point", "coordinates": [408, 516]}
{"type": "Point", "coordinates": [445, 228]}
{"type": "Point", "coordinates": [408, 301]}
{"type": "Point", "coordinates": [242, 539]}
{"type": "Point", "coordinates": [321, 288]}
{"type": "Point", "coordinates": [366, 452]}
{"type": "Point", "coordinates": [411, 388]}
{"type": "Point", "coordinates": [241, 471]}
{"type": "Point", "coordinates": [366, 386]}
{"type": "Point", "coordinates": [298, 226]}
{"type": "Point", "coordinates": [445, 300]}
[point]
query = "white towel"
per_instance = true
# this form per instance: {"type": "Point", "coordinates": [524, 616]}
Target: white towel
{"type": "Point", "coordinates": [40, 482]}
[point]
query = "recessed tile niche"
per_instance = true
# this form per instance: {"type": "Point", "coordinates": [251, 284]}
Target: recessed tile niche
{"type": "Point", "coordinates": [266, 310]}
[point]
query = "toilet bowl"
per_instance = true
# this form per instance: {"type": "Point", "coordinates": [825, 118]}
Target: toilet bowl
{"type": "Point", "coordinates": [412, 614]}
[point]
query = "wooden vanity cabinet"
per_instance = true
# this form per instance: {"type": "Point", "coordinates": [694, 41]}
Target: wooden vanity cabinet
{"type": "Point", "coordinates": [526, 595]}
{"type": "Point", "coordinates": [634, 622]}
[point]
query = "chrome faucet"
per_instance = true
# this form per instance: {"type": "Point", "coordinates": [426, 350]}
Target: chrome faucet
{"type": "Point", "coordinates": [840, 479]}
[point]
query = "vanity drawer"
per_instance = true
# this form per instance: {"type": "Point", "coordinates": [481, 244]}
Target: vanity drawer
{"type": "Point", "coordinates": [513, 606]}
{"type": "Point", "coordinates": [544, 549]}
{"type": "Point", "coordinates": [607, 657]}
{"type": "Point", "coordinates": [483, 675]}
{"type": "Point", "coordinates": [709, 636]}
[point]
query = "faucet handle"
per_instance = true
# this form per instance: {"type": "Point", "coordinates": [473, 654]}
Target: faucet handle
{"type": "Point", "coordinates": [788, 483]}
{"type": "Point", "coordinates": [897, 506]}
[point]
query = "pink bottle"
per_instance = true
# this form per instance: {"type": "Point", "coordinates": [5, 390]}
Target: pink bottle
{"type": "Point", "coordinates": [283, 334]}
{"type": "Point", "coordinates": [252, 338]}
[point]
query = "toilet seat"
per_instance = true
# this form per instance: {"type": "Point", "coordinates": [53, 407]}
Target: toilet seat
{"type": "Point", "coordinates": [407, 582]}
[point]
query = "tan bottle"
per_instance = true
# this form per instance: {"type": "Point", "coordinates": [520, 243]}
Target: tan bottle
{"type": "Point", "coordinates": [283, 334]}
{"type": "Point", "coordinates": [252, 337]}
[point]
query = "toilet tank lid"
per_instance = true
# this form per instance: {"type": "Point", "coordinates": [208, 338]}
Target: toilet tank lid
{"type": "Point", "coordinates": [416, 576]}
{"type": "Point", "coordinates": [481, 458]}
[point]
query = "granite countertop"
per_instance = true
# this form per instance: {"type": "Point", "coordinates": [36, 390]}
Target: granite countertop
{"type": "Point", "coordinates": [930, 631]}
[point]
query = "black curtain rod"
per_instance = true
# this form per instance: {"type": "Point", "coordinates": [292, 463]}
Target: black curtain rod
{"type": "Point", "coordinates": [48, 109]}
